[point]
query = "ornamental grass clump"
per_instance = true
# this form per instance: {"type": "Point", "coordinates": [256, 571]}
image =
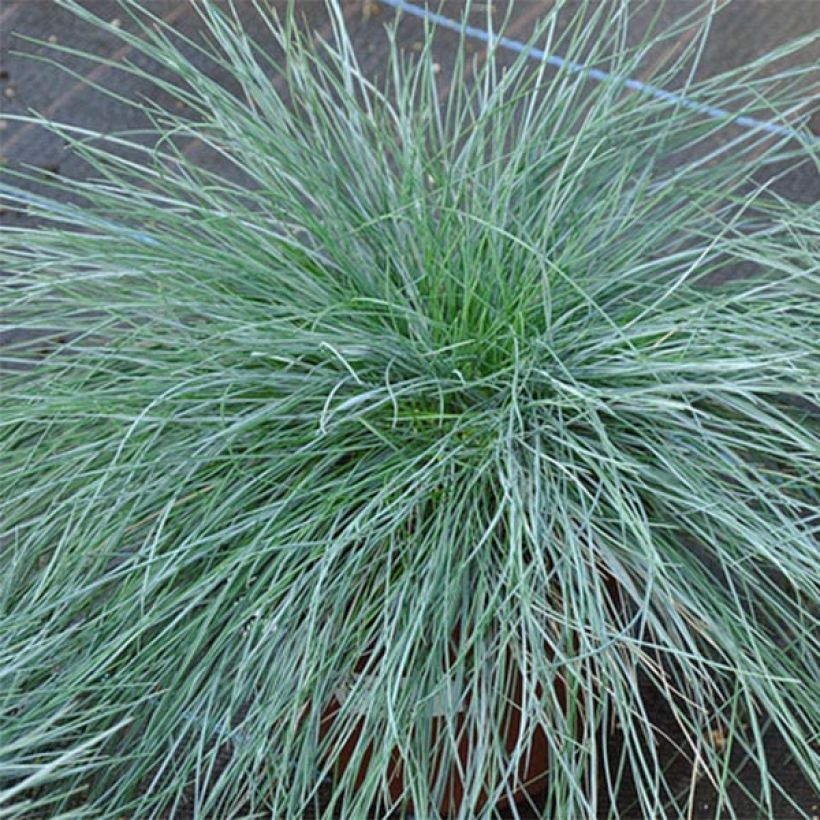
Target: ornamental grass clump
{"type": "Point", "coordinates": [436, 437]}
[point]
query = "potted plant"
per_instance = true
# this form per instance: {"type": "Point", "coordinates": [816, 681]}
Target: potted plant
{"type": "Point", "coordinates": [412, 449]}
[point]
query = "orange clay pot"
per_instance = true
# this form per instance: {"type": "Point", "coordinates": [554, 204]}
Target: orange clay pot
{"type": "Point", "coordinates": [532, 770]}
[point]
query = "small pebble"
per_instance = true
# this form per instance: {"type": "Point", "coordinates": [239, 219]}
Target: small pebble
{"type": "Point", "coordinates": [10, 91]}
{"type": "Point", "coordinates": [370, 9]}
{"type": "Point", "coordinates": [116, 22]}
{"type": "Point", "coordinates": [52, 38]}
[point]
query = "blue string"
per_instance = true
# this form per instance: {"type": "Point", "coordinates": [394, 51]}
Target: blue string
{"type": "Point", "coordinates": [513, 45]}
{"type": "Point", "coordinates": [593, 73]}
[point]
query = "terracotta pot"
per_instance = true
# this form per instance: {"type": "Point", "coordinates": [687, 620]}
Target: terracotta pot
{"type": "Point", "coordinates": [532, 770]}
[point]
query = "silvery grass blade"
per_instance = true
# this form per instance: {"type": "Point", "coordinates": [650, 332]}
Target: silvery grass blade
{"type": "Point", "coordinates": [440, 388]}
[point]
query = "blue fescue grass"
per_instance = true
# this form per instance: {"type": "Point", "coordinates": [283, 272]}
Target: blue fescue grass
{"type": "Point", "coordinates": [435, 371]}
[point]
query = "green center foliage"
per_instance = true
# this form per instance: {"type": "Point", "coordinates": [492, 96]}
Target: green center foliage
{"type": "Point", "coordinates": [443, 400]}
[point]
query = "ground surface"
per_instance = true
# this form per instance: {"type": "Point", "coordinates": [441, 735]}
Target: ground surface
{"type": "Point", "coordinates": [745, 29]}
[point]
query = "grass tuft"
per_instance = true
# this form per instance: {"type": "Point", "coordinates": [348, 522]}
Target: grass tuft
{"type": "Point", "coordinates": [439, 389]}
